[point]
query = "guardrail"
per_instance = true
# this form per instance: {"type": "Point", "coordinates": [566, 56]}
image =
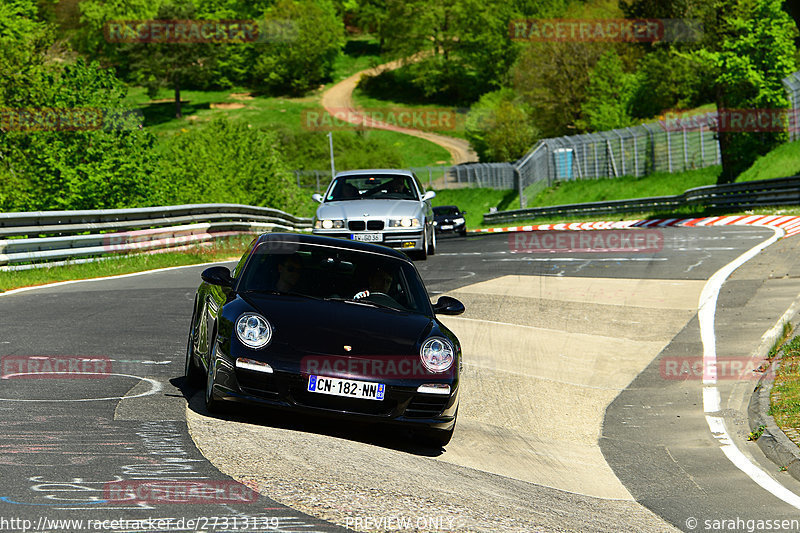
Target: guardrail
{"type": "Point", "coordinates": [745, 195]}
{"type": "Point", "coordinates": [42, 236]}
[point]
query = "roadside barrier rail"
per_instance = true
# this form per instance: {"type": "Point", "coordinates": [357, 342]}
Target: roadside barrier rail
{"type": "Point", "coordinates": [744, 195]}
{"type": "Point", "coordinates": [42, 236]}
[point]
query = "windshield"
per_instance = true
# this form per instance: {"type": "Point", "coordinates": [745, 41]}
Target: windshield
{"type": "Point", "coordinates": [445, 211]}
{"type": "Point", "coordinates": [372, 186]}
{"type": "Point", "coordinates": [325, 272]}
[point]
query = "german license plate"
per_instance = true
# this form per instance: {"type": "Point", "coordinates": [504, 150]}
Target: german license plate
{"type": "Point", "coordinates": [447, 226]}
{"type": "Point", "coordinates": [350, 388]}
{"type": "Point", "coordinates": [367, 237]}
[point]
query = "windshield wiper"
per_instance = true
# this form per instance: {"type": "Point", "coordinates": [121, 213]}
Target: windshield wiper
{"type": "Point", "coordinates": [362, 301]}
{"type": "Point", "coordinates": [281, 293]}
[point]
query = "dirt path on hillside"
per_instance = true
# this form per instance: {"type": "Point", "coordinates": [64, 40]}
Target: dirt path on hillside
{"type": "Point", "coordinates": [338, 101]}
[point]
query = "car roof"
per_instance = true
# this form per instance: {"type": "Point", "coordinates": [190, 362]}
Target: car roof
{"type": "Point", "coordinates": [447, 207]}
{"type": "Point", "coordinates": [374, 171]}
{"type": "Point", "coordinates": [335, 242]}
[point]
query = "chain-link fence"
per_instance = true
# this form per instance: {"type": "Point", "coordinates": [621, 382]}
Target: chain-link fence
{"type": "Point", "coordinates": [492, 175]}
{"type": "Point", "coordinates": [675, 144]}
{"type": "Point", "coordinates": [792, 86]}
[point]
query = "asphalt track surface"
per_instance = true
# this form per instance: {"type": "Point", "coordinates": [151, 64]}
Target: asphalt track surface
{"type": "Point", "coordinates": [571, 420]}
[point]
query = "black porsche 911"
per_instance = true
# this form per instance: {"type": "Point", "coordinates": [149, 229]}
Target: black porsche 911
{"type": "Point", "coordinates": [327, 326]}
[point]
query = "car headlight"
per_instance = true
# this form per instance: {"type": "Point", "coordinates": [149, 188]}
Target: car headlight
{"type": "Point", "coordinates": [328, 224]}
{"type": "Point", "coordinates": [405, 222]}
{"type": "Point", "coordinates": [458, 220]}
{"type": "Point", "coordinates": [437, 354]}
{"type": "Point", "coordinates": [253, 330]}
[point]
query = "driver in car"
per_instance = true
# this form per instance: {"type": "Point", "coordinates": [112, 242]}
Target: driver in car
{"type": "Point", "coordinates": [378, 281]}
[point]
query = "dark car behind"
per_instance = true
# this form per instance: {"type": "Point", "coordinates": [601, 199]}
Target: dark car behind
{"type": "Point", "coordinates": [449, 219]}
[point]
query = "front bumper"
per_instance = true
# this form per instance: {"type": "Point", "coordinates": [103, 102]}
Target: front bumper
{"type": "Point", "coordinates": [449, 227]}
{"type": "Point", "coordinates": [405, 240]}
{"type": "Point", "coordinates": [402, 404]}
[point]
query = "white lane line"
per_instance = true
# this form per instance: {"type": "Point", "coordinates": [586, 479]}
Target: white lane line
{"type": "Point", "coordinates": [711, 397]}
{"type": "Point", "coordinates": [580, 259]}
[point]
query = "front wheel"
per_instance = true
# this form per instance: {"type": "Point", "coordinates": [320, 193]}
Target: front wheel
{"type": "Point", "coordinates": [432, 246]}
{"type": "Point", "coordinates": [213, 405]}
{"type": "Point", "coordinates": [194, 376]}
{"type": "Point", "coordinates": [422, 254]}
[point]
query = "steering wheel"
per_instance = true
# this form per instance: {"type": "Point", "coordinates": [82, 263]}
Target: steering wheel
{"type": "Point", "coordinates": [369, 294]}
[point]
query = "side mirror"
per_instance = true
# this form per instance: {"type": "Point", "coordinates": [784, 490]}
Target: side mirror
{"type": "Point", "coordinates": [447, 305]}
{"type": "Point", "coordinates": [218, 275]}
{"type": "Point", "coordinates": [463, 212]}
{"type": "Point", "coordinates": [428, 195]}
{"type": "Point", "coordinates": [317, 197]}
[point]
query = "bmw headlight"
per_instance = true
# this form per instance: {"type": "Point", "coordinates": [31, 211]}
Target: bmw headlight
{"type": "Point", "coordinates": [458, 220]}
{"type": "Point", "coordinates": [328, 224]}
{"type": "Point", "coordinates": [405, 222]}
{"type": "Point", "coordinates": [437, 354]}
{"type": "Point", "coordinates": [253, 330]}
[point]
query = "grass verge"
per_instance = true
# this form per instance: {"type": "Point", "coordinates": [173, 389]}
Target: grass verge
{"type": "Point", "coordinates": [230, 248]}
{"type": "Point", "coordinates": [781, 162]}
{"type": "Point", "coordinates": [785, 395]}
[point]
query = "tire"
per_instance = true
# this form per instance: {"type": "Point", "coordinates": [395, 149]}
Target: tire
{"type": "Point", "coordinates": [213, 405]}
{"type": "Point", "coordinates": [194, 376]}
{"type": "Point", "coordinates": [432, 246]}
{"type": "Point", "coordinates": [422, 255]}
{"type": "Point", "coordinates": [463, 232]}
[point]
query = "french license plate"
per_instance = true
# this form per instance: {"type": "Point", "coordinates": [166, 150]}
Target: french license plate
{"type": "Point", "coordinates": [350, 388]}
{"type": "Point", "coordinates": [367, 237]}
{"type": "Point", "coordinates": [447, 226]}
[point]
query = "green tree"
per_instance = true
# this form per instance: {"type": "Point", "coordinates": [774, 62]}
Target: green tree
{"type": "Point", "coordinates": [609, 95]}
{"type": "Point", "coordinates": [748, 49]}
{"type": "Point", "coordinates": [552, 78]}
{"type": "Point", "coordinates": [499, 127]}
{"type": "Point", "coordinates": [465, 45]}
{"type": "Point", "coordinates": [306, 59]}
{"type": "Point", "coordinates": [171, 64]}
{"type": "Point", "coordinates": [226, 161]}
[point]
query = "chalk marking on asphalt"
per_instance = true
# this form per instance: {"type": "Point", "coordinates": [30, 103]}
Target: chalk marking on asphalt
{"type": "Point", "coordinates": [707, 306]}
{"type": "Point", "coordinates": [155, 387]}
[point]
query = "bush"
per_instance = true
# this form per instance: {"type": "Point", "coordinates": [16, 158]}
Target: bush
{"type": "Point", "coordinates": [226, 162]}
{"type": "Point", "coordinates": [500, 128]}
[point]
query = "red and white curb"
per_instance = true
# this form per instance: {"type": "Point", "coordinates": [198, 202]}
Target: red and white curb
{"type": "Point", "coordinates": [789, 223]}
